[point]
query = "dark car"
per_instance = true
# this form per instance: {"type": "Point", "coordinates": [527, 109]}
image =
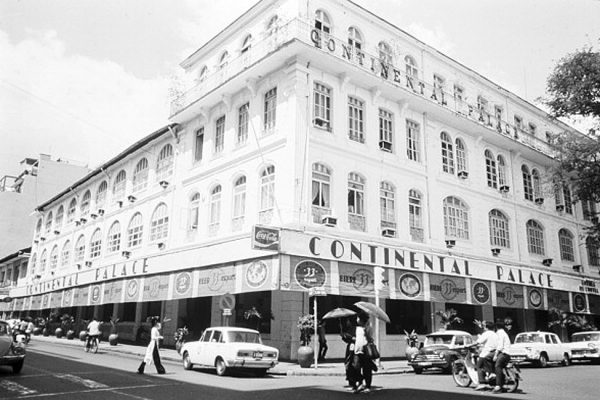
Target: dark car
{"type": "Point", "coordinates": [439, 350]}
{"type": "Point", "coordinates": [11, 352]}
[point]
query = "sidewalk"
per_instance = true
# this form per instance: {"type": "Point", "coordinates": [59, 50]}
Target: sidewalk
{"type": "Point", "coordinates": [283, 368]}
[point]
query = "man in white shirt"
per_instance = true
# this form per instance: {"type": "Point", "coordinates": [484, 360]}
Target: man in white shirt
{"type": "Point", "coordinates": [501, 356]}
{"type": "Point", "coordinates": [93, 331]}
{"type": "Point", "coordinates": [485, 362]}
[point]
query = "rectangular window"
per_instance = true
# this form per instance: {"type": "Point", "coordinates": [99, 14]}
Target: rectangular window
{"type": "Point", "coordinates": [270, 109]}
{"type": "Point", "coordinates": [386, 130]}
{"type": "Point", "coordinates": [413, 141]}
{"type": "Point", "coordinates": [220, 135]}
{"type": "Point", "coordinates": [322, 106]}
{"type": "Point", "coordinates": [199, 145]}
{"type": "Point", "coordinates": [356, 120]}
{"type": "Point", "coordinates": [243, 120]}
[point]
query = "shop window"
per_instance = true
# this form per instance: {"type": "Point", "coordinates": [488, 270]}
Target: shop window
{"type": "Point", "coordinates": [249, 306]}
{"type": "Point", "coordinates": [406, 315]}
{"type": "Point", "coordinates": [107, 312]}
{"type": "Point", "coordinates": [129, 312]}
{"type": "Point", "coordinates": [151, 309]}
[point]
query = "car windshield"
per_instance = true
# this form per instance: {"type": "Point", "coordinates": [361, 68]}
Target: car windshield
{"type": "Point", "coordinates": [529, 338]}
{"type": "Point", "coordinates": [241, 337]}
{"type": "Point", "coordinates": [585, 337]}
{"type": "Point", "coordinates": [438, 339]}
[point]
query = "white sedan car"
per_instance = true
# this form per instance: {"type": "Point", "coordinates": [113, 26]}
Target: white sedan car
{"type": "Point", "coordinates": [227, 348]}
{"type": "Point", "coordinates": [585, 346]}
{"type": "Point", "coordinates": [539, 348]}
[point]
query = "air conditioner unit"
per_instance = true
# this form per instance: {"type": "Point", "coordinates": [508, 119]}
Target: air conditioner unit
{"type": "Point", "coordinates": [321, 122]}
{"type": "Point", "coordinates": [94, 216]}
{"type": "Point", "coordinates": [450, 243]}
{"type": "Point", "coordinates": [57, 232]}
{"type": "Point", "coordinates": [131, 198]}
{"type": "Point", "coordinates": [463, 174]}
{"type": "Point", "coordinates": [82, 220]}
{"type": "Point", "coordinates": [539, 201]}
{"type": "Point", "coordinates": [577, 268]}
{"type": "Point", "coordinates": [329, 220]}
{"type": "Point", "coordinates": [560, 208]}
{"type": "Point", "coordinates": [495, 251]}
{"type": "Point", "coordinates": [88, 264]}
{"type": "Point", "coordinates": [547, 262]}
{"type": "Point", "coordinates": [126, 253]}
{"type": "Point", "coordinates": [78, 265]}
{"type": "Point", "coordinates": [77, 223]}
{"type": "Point", "coordinates": [161, 246]}
{"type": "Point", "coordinates": [388, 232]}
{"type": "Point", "coordinates": [385, 145]}
{"type": "Point", "coordinates": [42, 238]}
{"type": "Point", "coordinates": [504, 188]}
{"type": "Point", "coordinates": [100, 211]}
{"type": "Point", "coordinates": [36, 241]}
{"type": "Point", "coordinates": [163, 184]}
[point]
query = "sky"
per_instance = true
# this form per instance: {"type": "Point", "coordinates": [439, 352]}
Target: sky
{"type": "Point", "coordinates": [82, 80]}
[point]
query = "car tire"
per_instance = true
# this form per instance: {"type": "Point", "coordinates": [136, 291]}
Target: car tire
{"type": "Point", "coordinates": [566, 361]}
{"type": "Point", "coordinates": [221, 367]}
{"type": "Point", "coordinates": [543, 360]}
{"type": "Point", "coordinates": [261, 372]}
{"type": "Point", "coordinates": [418, 370]}
{"type": "Point", "coordinates": [18, 367]}
{"type": "Point", "coordinates": [187, 362]}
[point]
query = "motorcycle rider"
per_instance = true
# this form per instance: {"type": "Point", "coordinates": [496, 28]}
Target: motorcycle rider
{"type": "Point", "coordinates": [501, 356]}
{"type": "Point", "coordinates": [485, 362]}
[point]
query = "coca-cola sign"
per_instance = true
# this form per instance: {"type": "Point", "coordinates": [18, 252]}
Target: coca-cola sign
{"type": "Point", "coordinates": [264, 238]}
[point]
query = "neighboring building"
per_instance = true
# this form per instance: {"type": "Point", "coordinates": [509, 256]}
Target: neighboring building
{"type": "Point", "coordinates": [321, 146]}
{"type": "Point", "coordinates": [39, 179]}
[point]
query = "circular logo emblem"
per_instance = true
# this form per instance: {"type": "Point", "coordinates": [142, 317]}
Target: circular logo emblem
{"type": "Point", "coordinates": [409, 285]}
{"type": "Point", "coordinates": [363, 280]}
{"type": "Point", "coordinates": [310, 274]}
{"type": "Point", "coordinates": [45, 301]}
{"type": "Point", "coordinates": [579, 302]}
{"type": "Point", "coordinates": [509, 295]}
{"type": "Point", "coordinates": [95, 294]}
{"type": "Point", "coordinates": [183, 282]}
{"type": "Point", "coordinates": [481, 292]}
{"type": "Point", "coordinates": [132, 288]}
{"type": "Point", "coordinates": [154, 287]}
{"type": "Point", "coordinates": [448, 289]}
{"type": "Point", "coordinates": [256, 274]}
{"type": "Point", "coordinates": [535, 298]}
{"type": "Point", "coordinates": [67, 297]}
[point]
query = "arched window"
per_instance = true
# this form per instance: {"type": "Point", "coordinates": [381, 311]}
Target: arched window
{"type": "Point", "coordinates": [527, 183]}
{"type": "Point", "coordinates": [356, 194]}
{"type": "Point", "coordinates": [273, 23]}
{"type": "Point", "coordinates": [203, 74]}
{"type": "Point", "coordinates": [53, 258]}
{"type": "Point", "coordinates": [164, 164]}
{"type": "Point", "coordinates": [113, 239]}
{"type": "Point", "coordinates": [59, 217]}
{"type": "Point", "coordinates": [593, 252]}
{"type": "Point", "coordinates": [355, 40]}
{"type": "Point", "coordinates": [321, 186]}
{"type": "Point", "coordinates": [85, 203]}
{"type": "Point", "coordinates": [32, 262]}
{"type": "Point", "coordinates": [499, 235]}
{"type": "Point", "coordinates": [135, 230]}
{"type": "Point", "coordinates": [38, 228]}
{"type": "Point", "coordinates": [215, 205]}
{"type": "Point", "coordinates": [267, 188]}
{"type": "Point", "coordinates": [194, 211]}
{"type": "Point", "coordinates": [490, 169]}
{"type": "Point", "coordinates": [502, 177]}
{"type": "Point", "coordinates": [159, 224]}
{"type": "Point", "coordinates": [565, 240]}
{"type": "Point", "coordinates": [119, 185]}
{"type": "Point", "coordinates": [96, 244]}
{"type": "Point", "coordinates": [140, 175]}
{"type": "Point", "coordinates": [71, 210]}
{"type": "Point", "coordinates": [322, 24]}
{"type": "Point", "coordinates": [239, 197]}
{"type": "Point", "coordinates": [385, 53]}
{"type": "Point", "coordinates": [387, 201]}
{"type": "Point", "coordinates": [456, 218]}
{"type": "Point", "coordinates": [461, 156]}
{"type": "Point", "coordinates": [537, 184]}
{"type": "Point", "coordinates": [224, 60]}
{"type": "Point", "coordinates": [43, 260]}
{"type": "Point", "coordinates": [79, 249]}
{"type": "Point", "coordinates": [65, 257]}
{"type": "Point", "coordinates": [49, 223]}
{"type": "Point", "coordinates": [535, 237]}
{"type": "Point", "coordinates": [101, 194]}
{"type": "Point", "coordinates": [246, 44]}
{"type": "Point", "coordinates": [411, 68]}
{"type": "Point", "coordinates": [447, 153]}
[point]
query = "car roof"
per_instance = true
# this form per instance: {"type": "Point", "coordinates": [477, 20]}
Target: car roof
{"type": "Point", "coordinates": [438, 333]}
{"type": "Point", "coordinates": [536, 332]}
{"type": "Point", "coordinates": [585, 333]}
{"type": "Point", "coordinates": [232, 328]}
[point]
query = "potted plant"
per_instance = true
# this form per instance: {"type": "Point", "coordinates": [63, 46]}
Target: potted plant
{"type": "Point", "coordinates": [83, 331]}
{"type": "Point", "coordinates": [113, 338]}
{"type": "Point", "coordinates": [306, 355]}
{"type": "Point", "coordinates": [40, 324]}
{"type": "Point", "coordinates": [66, 322]}
{"type": "Point", "coordinates": [412, 341]}
{"type": "Point", "coordinates": [448, 318]}
{"type": "Point", "coordinates": [252, 314]}
{"type": "Point", "coordinates": [180, 334]}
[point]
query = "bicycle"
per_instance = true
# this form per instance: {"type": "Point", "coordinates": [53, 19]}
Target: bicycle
{"type": "Point", "coordinates": [91, 344]}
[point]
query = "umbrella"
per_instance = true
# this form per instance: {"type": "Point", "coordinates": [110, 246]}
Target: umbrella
{"type": "Point", "coordinates": [339, 313]}
{"type": "Point", "coordinates": [373, 309]}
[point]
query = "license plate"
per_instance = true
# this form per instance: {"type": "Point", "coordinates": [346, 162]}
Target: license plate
{"type": "Point", "coordinates": [257, 354]}
{"type": "Point", "coordinates": [425, 364]}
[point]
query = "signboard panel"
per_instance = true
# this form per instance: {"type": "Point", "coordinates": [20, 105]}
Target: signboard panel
{"type": "Point", "coordinates": [257, 275]}
{"type": "Point", "coordinates": [216, 281]}
{"type": "Point", "coordinates": [56, 299]}
{"type": "Point", "coordinates": [558, 299]}
{"type": "Point", "coordinates": [113, 292]}
{"type": "Point", "coordinates": [182, 285]}
{"type": "Point", "coordinates": [579, 302]}
{"type": "Point", "coordinates": [447, 289]}
{"type": "Point", "coordinates": [409, 285]}
{"type": "Point", "coordinates": [265, 238]}
{"type": "Point", "coordinates": [306, 273]}
{"type": "Point", "coordinates": [156, 288]}
{"type": "Point", "coordinates": [594, 304]}
{"type": "Point", "coordinates": [508, 295]}
{"type": "Point", "coordinates": [535, 298]}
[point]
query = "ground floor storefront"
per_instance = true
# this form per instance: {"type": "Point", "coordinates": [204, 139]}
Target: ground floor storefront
{"type": "Point", "coordinates": [268, 288]}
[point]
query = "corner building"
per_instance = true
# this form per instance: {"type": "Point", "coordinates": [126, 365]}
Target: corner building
{"type": "Point", "coordinates": [317, 145]}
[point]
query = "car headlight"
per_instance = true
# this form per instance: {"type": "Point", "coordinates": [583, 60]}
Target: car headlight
{"type": "Point", "coordinates": [591, 345]}
{"type": "Point", "coordinates": [413, 356]}
{"type": "Point", "coordinates": [442, 355]}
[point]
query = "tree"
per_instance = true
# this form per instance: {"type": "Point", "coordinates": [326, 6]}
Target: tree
{"type": "Point", "coordinates": [573, 88]}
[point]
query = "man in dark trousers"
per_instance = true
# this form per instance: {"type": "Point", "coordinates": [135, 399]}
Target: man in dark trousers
{"type": "Point", "coordinates": [322, 340]}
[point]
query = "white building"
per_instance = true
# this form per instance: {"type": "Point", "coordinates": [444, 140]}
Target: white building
{"type": "Point", "coordinates": [320, 146]}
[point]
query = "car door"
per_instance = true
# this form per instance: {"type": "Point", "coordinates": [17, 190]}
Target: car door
{"type": "Point", "coordinates": [558, 348]}
{"type": "Point", "coordinates": [202, 347]}
{"type": "Point", "coordinates": [5, 339]}
{"type": "Point", "coordinates": [215, 347]}
{"type": "Point", "coordinates": [552, 347]}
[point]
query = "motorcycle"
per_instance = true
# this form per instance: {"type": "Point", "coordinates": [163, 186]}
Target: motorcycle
{"type": "Point", "coordinates": [464, 371]}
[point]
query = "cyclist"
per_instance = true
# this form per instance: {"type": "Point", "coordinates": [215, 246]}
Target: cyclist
{"type": "Point", "coordinates": [93, 329]}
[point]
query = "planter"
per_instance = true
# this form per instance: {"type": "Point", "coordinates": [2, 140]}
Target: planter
{"type": "Point", "coordinates": [82, 335]}
{"type": "Point", "coordinates": [70, 334]}
{"type": "Point", "coordinates": [306, 356]}
{"type": "Point", "coordinates": [113, 339]}
{"type": "Point", "coordinates": [45, 332]}
{"type": "Point", "coordinates": [37, 331]}
{"type": "Point", "coordinates": [58, 333]}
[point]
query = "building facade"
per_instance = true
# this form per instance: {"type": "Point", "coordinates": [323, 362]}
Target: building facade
{"type": "Point", "coordinates": [319, 146]}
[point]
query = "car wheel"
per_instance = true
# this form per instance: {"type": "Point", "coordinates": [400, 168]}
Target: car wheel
{"type": "Point", "coordinates": [261, 372]}
{"type": "Point", "coordinates": [418, 370]}
{"type": "Point", "coordinates": [566, 361]}
{"type": "Point", "coordinates": [543, 360]}
{"type": "Point", "coordinates": [187, 362]}
{"type": "Point", "coordinates": [221, 367]}
{"type": "Point", "coordinates": [18, 366]}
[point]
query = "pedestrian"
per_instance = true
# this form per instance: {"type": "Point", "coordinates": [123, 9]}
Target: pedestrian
{"type": "Point", "coordinates": [485, 363]}
{"type": "Point", "coordinates": [322, 341]}
{"type": "Point", "coordinates": [152, 354]}
{"type": "Point", "coordinates": [501, 356]}
{"type": "Point", "coordinates": [93, 332]}
{"type": "Point", "coordinates": [362, 365]}
{"type": "Point", "coordinates": [348, 334]}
